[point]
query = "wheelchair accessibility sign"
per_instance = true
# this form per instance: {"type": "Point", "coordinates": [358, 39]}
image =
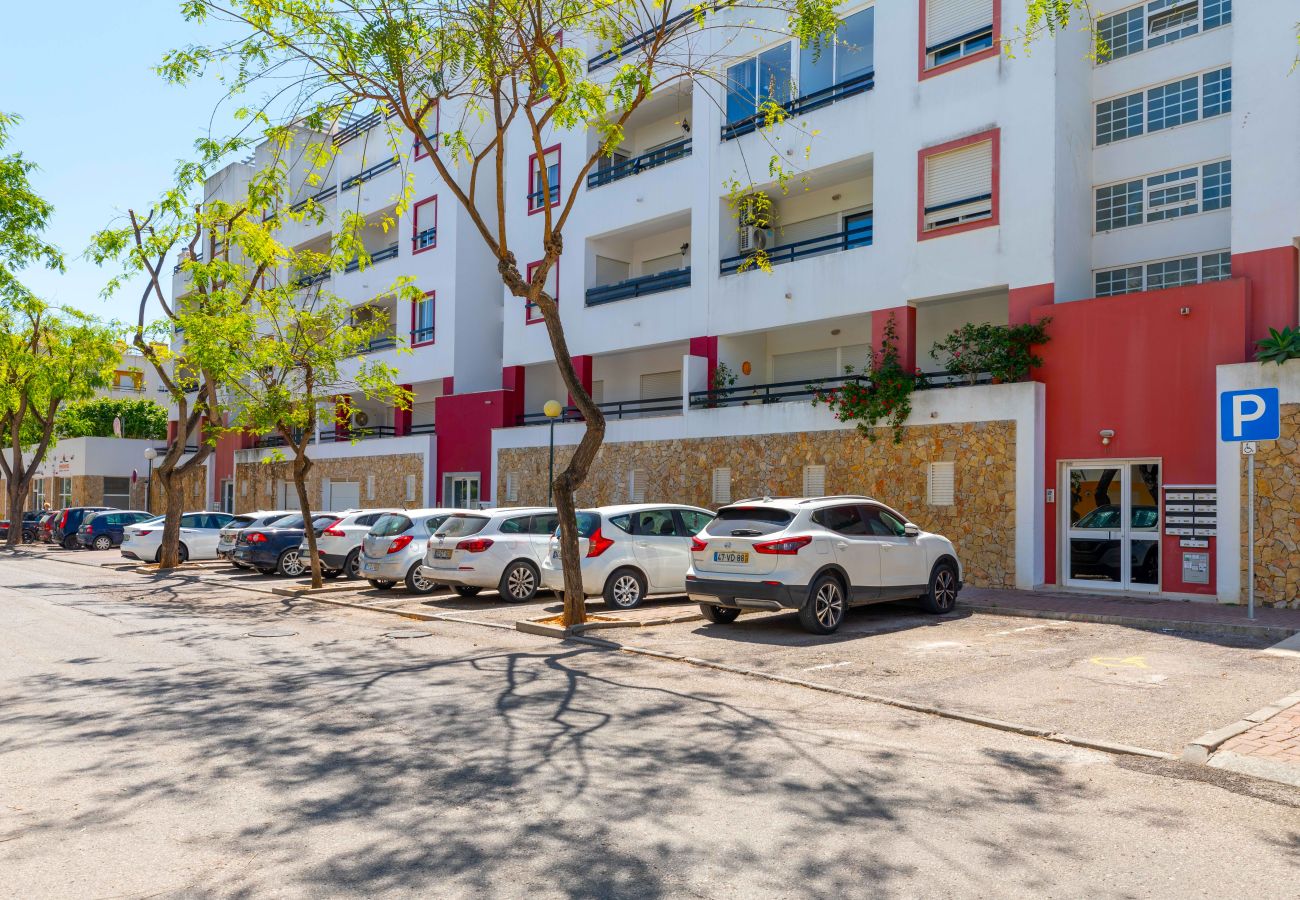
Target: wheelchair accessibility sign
{"type": "Point", "coordinates": [1252, 415]}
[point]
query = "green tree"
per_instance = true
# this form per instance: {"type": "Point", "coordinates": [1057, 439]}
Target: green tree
{"type": "Point", "coordinates": [489, 72]}
{"type": "Point", "coordinates": [24, 216]}
{"type": "Point", "coordinates": [141, 418]}
{"type": "Point", "coordinates": [48, 357]}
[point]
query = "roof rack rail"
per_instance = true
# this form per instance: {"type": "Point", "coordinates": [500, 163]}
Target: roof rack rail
{"type": "Point", "coordinates": [836, 497]}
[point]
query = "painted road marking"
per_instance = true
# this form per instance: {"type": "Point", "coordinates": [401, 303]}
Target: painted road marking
{"type": "Point", "coordinates": [1113, 662]}
{"type": "Point", "coordinates": [828, 666]}
{"type": "Point", "coordinates": [1018, 630]}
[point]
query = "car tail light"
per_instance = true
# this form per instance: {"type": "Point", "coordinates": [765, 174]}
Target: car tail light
{"type": "Point", "coordinates": [332, 531]}
{"type": "Point", "coordinates": [63, 522]}
{"type": "Point", "coordinates": [255, 538]}
{"type": "Point", "coordinates": [399, 542]}
{"type": "Point", "coordinates": [143, 533]}
{"type": "Point", "coordinates": [474, 545]}
{"type": "Point", "coordinates": [597, 544]}
{"type": "Point", "coordinates": [783, 547]}
{"type": "Point", "coordinates": [697, 545]}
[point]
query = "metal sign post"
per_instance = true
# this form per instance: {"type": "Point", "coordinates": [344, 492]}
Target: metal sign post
{"type": "Point", "coordinates": [1246, 417]}
{"type": "Point", "coordinates": [1248, 451]}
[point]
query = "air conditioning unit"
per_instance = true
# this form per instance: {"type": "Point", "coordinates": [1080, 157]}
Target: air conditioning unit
{"type": "Point", "coordinates": [752, 238]}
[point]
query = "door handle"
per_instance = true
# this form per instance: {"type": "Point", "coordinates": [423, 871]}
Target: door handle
{"type": "Point", "coordinates": [842, 545]}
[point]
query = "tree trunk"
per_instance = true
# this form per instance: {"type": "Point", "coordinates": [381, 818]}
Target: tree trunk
{"type": "Point", "coordinates": [301, 466]}
{"type": "Point", "coordinates": [16, 488]}
{"type": "Point", "coordinates": [169, 553]}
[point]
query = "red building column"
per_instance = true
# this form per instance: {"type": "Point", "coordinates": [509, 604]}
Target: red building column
{"type": "Point", "coordinates": [1274, 291]}
{"type": "Point", "coordinates": [402, 417]}
{"type": "Point", "coordinates": [512, 382]}
{"type": "Point", "coordinates": [342, 421]}
{"type": "Point", "coordinates": [706, 347]}
{"type": "Point", "coordinates": [1022, 302]}
{"type": "Point", "coordinates": [905, 326]}
{"type": "Point", "coordinates": [583, 366]}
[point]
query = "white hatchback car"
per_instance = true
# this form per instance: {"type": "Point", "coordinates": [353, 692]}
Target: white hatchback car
{"type": "Point", "coordinates": [629, 552]}
{"type": "Point", "coordinates": [200, 532]}
{"type": "Point", "coordinates": [392, 551]}
{"type": "Point", "coordinates": [819, 556]}
{"type": "Point", "coordinates": [339, 545]}
{"type": "Point", "coordinates": [494, 548]}
{"type": "Point", "coordinates": [263, 518]}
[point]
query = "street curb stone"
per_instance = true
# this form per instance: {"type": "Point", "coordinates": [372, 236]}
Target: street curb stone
{"type": "Point", "coordinates": [1202, 751]}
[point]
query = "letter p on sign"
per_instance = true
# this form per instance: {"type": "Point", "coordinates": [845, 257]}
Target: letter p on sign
{"type": "Point", "coordinates": [1253, 415]}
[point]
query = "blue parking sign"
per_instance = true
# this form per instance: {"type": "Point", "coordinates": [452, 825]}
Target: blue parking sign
{"type": "Point", "coordinates": [1252, 415]}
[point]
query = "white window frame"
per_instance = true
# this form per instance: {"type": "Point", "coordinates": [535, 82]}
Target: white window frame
{"type": "Point", "coordinates": [1143, 96]}
{"type": "Point", "coordinates": [1155, 8]}
{"type": "Point", "coordinates": [1145, 273]}
{"type": "Point", "coordinates": [975, 40]}
{"type": "Point", "coordinates": [1147, 208]}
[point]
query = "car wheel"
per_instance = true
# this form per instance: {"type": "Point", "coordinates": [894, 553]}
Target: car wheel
{"type": "Point", "coordinates": [519, 582]}
{"type": "Point", "coordinates": [467, 590]}
{"type": "Point", "coordinates": [265, 571]}
{"type": "Point", "coordinates": [941, 595]}
{"type": "Point", "coordinates": [417, 583]}
{"type": "Point", "coordinates": [381, 585]}
{"type": "Point", "coordinates": [625, 589]}
{"type": "Point", "coordinates": [70, 542]}
{"type": "Point", "coordinates": [719, 615]}
{"type": "Point", "coordinates": [290, 564]}
{"type": "Point", "coordinates": [330, 573]}
{"type": "Point", "coordinates": [352, 565]}
{"type": "Point", "coordinates": [103, 542]}
{"type": "Point", "coordinates": [823, 611]}
{"type": "Point", "coordinates": [182, 554]}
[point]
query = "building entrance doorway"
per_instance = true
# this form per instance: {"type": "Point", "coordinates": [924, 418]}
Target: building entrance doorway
{"type": "Point", "coordinates": [1112, 524]}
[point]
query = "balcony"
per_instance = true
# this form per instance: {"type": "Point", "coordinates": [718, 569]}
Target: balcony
{"type": "Point", "coordinates": [856, 233]}
{"type": "Point", "coordinates": [616, 409]}
{"type": "Point", "coordinates": [376, 257]}
{"type": "Point", "coordinates": [803, 390]}
{"type": "Point", "coordinates": [667, 280]}
{"type": "Point", "coordinates": [616, 168]}
{"type": "Point", "coordinates": [422, 335]}
{"type": "Point", "coordinates": [858, 84]}
{"type": "Point", "coordinates": [308, 280]}
{"type": "Point", "coordinates": [366, 174]}
{"type": "Point", "coordinates": [679, 22]}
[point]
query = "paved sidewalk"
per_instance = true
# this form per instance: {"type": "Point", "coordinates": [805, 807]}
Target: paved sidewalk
{"type": "Point", "coordinates": [1277, 739]}
{"type": "Point", "coordinates": [1139, 612]}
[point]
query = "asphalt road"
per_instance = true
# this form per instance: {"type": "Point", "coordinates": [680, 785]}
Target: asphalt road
{"type": "Point", "coordinates": [166, 738]}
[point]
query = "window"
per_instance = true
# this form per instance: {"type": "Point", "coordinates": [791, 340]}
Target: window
{"type": "Point", "coordinates": [1164, 273]}
{"type": "Point", "coordinates": [424, 225]}
{"type": "Point", "coordinates": [1167, 195]}
{"type": "Point", "coordinates": [654, 523]}
{"type": "Point", "coordinates": [841, 519]}
{"type": "Point", "coordinates": [543, 523]}
{"type": "Point", "coordinates": [543, 180]}
{"type": "Point", "coordinates": [1165, 106]}
{"type": "Point", "coordinates": [38, 493]}
{"type": "Point", "coordinates": [762, 79]}
{"type": "Point", "coordinates": [691, 522]}
{"type": "Point", "coordinates": [940, 483]}
{"type": "Point", "coordinates": [422, 320]}
{"type": "Point", "coordinates": [850, 56]}
{"type": "Point", "coordinates": [881, 523]}
{"type": "Point", "coordinates": [65, 492]}
{"type": "Point", "coordinates": [1157, 22]}
{"type": "Point", "coordinates": [722, 485]}
{"type": "Point", "coordinates": [431, 133]}
{"type": "Point", "coordinates": [1172, 104]}
{"type": "Point", "coordinates": [125, 381]}
{"type": "Point", "coordinates": [533, 315]}
{"type": "Point", "coordinates": [814, 481]}
{"type": "Point", "coordinates": [956, 30]}
{"type": "Point", "coordinates": [958, 184]}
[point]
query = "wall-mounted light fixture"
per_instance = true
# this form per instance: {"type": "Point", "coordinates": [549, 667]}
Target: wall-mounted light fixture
{"type": "Point", "coordinates": [1107, 435]}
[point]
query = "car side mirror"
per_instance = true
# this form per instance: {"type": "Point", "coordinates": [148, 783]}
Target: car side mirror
{"type": "Point", "coordinates": [910, 530]}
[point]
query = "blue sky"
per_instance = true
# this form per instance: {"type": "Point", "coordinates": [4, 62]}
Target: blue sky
{"type": "Point", "coordinates": [104, 129]}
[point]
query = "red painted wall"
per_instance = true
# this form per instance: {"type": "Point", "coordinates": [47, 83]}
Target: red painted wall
{"type": "Point", "coordinates": [1022, 301]}
{"type": "Point", "coordinates": [905, 327]}
{"type": "Point", "coordinates": [1137, 365]}
{"type": "Point", "coordinates": [465, 423]}
{"type": "Point", "coordinates": [222, 460]}
{"type": "Point", "coordinates": [1274, 292]}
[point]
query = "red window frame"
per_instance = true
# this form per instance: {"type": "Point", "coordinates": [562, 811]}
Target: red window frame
{"type": "Point", "coordinates": [437, 123]}
{"type": "Point", "coordinates": [415, 223]}
{"type": "Point", "coordinates": [531, 317]}
{"type": "Point", "coordinates": [533, 187]}
{"type": "Point", "coordinates": [923, 73]}
{"type": "Point", "coordinates": [995, 184]}
{"type": "Point", "coordinates": [432, 297]}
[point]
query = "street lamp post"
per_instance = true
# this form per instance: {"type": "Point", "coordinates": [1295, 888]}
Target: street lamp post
{"type": "Point", "coordinates": [150, 454]}
{"type": "Point", "coordinates": [553, 410]}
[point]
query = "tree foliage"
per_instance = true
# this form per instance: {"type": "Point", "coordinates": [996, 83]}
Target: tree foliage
{"type": "Point", "coordinates": [24, 215]}
{"type": "Point", "coordinates": [141, 418]}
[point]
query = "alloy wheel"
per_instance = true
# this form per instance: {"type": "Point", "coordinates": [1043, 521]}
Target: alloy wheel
{"type": "Point", "coordinates": [945, 589]}
{"type": "Point", "coordinates": [103, 542]}
{"type": "Point", "coordinates": [627, 590]}
{"type": "Point", "coordinates": [828, 605]}
{"type": "Point", "coordinates": [521, 583]}
{"type": "Point", "coordinates": [291, 564]}
{"type": "Point", "coordinates": [420, 583]}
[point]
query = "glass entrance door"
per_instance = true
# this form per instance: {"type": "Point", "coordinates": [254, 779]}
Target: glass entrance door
{"type": "Point", "coordinates": [1113, 525]}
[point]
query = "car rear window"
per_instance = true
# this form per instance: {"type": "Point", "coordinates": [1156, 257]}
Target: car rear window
{"type": "Point", "coordinates": [294, 521]}
{"type": "Point", "coordinates": [588, 522]}
{"type": "Point", "coordinates": [90, 517]}
{"type": "Point", "coordinates": [462, 526]}
{"type": "Point", "coordinates": [391, 525]}
{"type": "Point", "coordinates": [749, 521]}
{"type": "Point", "coordinates": [240, 522]}
{"type": "Point", "coordinates": [324, 520]}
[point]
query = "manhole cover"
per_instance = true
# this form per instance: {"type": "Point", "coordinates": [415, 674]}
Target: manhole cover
{"type": "Point", "coordinates": [272, 632]}
{"type": "Point", "coordinates": [408, 633]}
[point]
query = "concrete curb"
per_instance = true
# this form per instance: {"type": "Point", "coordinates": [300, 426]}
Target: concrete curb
{"type": "Point", "coordinates": [311, 592]}
{"type": "Point", "coordinates": [1270, 632]}
{"type": "Point", "coordinates": [1200, 751]}
{"type": "Point", "coordinates": [1256, 767]}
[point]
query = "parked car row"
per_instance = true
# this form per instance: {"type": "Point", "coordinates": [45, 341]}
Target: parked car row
{"type": "Point", "coordinates": [819, 556]}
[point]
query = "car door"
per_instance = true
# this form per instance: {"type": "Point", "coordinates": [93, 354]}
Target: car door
{"type": "Point", "coordinates": [191, 533]}
{"type": "Point", "coordinates": [903, 569]}
{"type": "Point", "coordinates": [857, 548]}
{"type": "Point", "coordinates": [540, 529]}
{"type": "Point", "coordinates": [657, 544]}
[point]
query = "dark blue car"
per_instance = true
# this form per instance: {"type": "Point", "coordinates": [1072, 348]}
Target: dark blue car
{"type": "Point", "coordinates": [103, 530]}
{"type": "Point", "coordinates": [275, 549]}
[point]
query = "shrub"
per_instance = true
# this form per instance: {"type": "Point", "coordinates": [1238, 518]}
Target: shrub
{"type": "Point", "coordinates": [1004, 351]}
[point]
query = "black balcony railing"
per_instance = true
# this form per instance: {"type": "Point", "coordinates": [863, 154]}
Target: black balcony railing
{"type": "Point", "coordinates": [616, 409]}
{"type": "Point", "coordinates": [858, 84]}
{"type": "Point", "coordinates": [650, 160]}
{"type": "Point", "coordinates": [639, 286]}
{"type": "Point", "coordinates": [318, 197]}
{"type": "Point", "coordinates": [366, 174]}
{"type": "Point", "coordinates": [669, 28]}
{"type": "Point", "coordinates": [356, 433]}
{"type": "Point", "coordinates": [425, 239]}
{"type": "Point", "coordinates": [303, 281]}
{"type": "Point", "coordinates": [535, 198]}
{"type": "Point", "coordinates": [422, 335]}
{"type": "Point", "coordinates": [380, 343]}
{"type": "Point", "coordinates": [856, 234]}
{"type": "Point", "coordinates": [389, 252]}
{"type": "Point", "coordinates": [423, 428]}
{"type": "Point", "coordinates": [807, 388]}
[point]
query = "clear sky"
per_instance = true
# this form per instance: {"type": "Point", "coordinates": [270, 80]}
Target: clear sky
{"type": "Point", "coordinates": [104, 129]}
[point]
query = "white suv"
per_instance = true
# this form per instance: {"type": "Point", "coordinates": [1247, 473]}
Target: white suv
{"type": "Point", "coordinates": [496, 548]}
{"type": "Point", "coordinates": [629, 552]}
{"type": "Point", "coordinates": [819, 556]}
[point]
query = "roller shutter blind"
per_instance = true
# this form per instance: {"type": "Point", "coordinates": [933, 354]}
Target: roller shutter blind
{"type": "Point", "coordinates": [805, 364]}
{"type": "Point", "coordinates": [660, 385]}
{"type": "Point", "coordinates": [948, 19]}
{"type": "Point", "coordinates": [959, 174]}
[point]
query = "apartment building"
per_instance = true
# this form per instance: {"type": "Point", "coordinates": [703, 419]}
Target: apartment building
{"type": "Point", "coordinates": [938, 181]}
